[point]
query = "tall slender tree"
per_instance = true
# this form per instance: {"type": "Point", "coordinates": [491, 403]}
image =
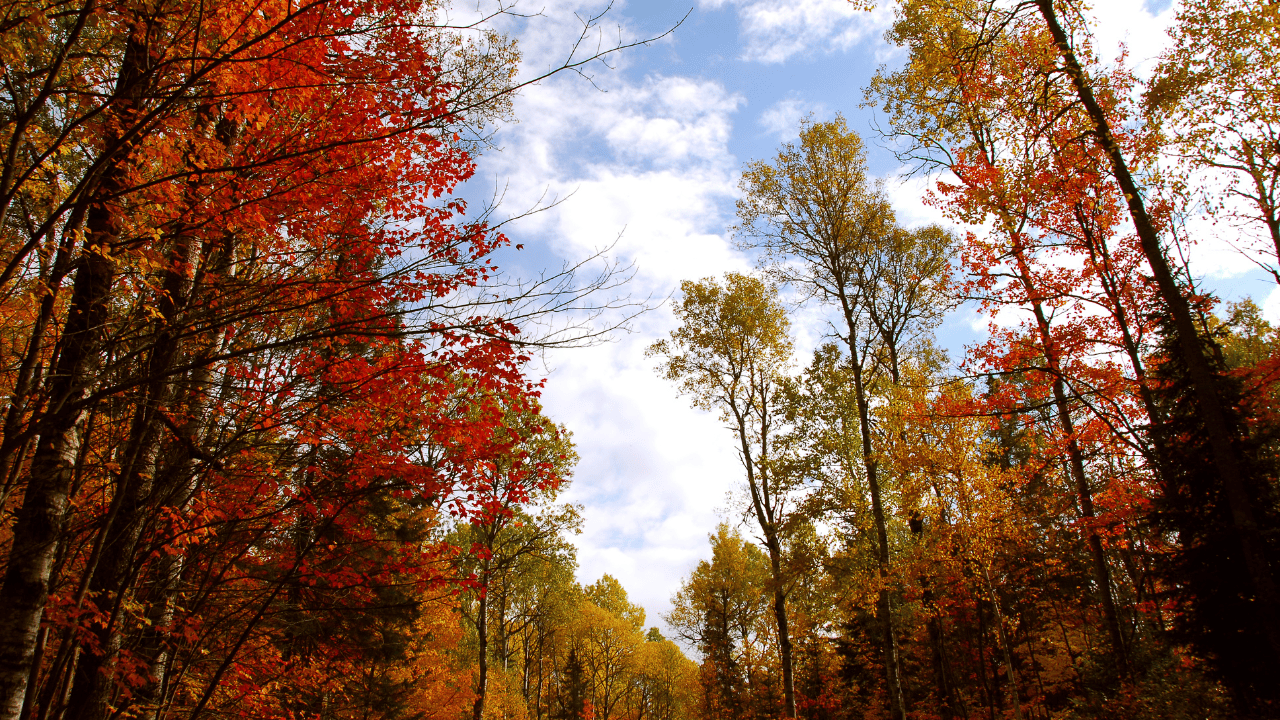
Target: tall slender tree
{"type": "Point", "coordinates": [826, 228]}
{"type": "Point", "coordinates": [730, 355]}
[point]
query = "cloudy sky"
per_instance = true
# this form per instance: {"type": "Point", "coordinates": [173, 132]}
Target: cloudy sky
{"type": "Point", "coordinates": [645, 153]}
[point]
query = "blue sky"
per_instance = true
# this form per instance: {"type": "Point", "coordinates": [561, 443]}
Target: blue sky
{"type": "Point", "coordinates": [648, 157]}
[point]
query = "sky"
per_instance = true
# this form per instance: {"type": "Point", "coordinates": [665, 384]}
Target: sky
{"type": "Point", "coordinates": [643, 156]}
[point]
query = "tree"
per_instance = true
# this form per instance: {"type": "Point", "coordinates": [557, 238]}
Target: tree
{"type": "Point", "coordinates": [607, 645]}
{"type": "Point", "coordinates": [1197, 354]}
{"type": "Point", "coordinates": [826, 229]}
{"type": "Point", "coordinates": [1208, 576]}
{"type": "Point", "coordinates": [729, 355]}
{"type": "Point", "coordinates": [963, 498]}
{"type": "Point", "coordinates": [527, 466]}
{"type": "Point", "coordinates": [543, 600]}
{"type": "Point", "coordinates": [1214, 95]}
{"type": "Point", "coordinates": [666, 681]}
{"type": "Point", "coordinates": [609, 595]}
{"type": "Point", "coordinates": [574, 692]}
{"type": "Point", "coordinates": [719, 610]}
{"type": "Point", "coordinates": [429, 678]}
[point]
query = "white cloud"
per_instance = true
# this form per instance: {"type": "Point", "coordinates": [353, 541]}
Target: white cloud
{"type": "Point", "coordinates": [647, 158]}
{"type": "Point", "coordinates": [1131, 23]}
{"type": "Point", "coordinates": [782, 119]}
{"type": "Point", "coordinates": [1271, 306]}
{"type": "Point", "coordinates": [776, 30]}
{"type": "Point", "coordinates": [910, 196]}
{"type": "Point", "coordinates": [654, 471]}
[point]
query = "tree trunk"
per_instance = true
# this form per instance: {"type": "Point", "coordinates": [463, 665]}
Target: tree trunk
{"type": "Point", "coordinates": [116, 573]}
{"type": "Point", "coordinates": [1101, 572]}
{"type": "Point", "coordinates": [482, 662]}
{"type": "Point", "coordinates": [1004, 645]}
{"type": "Point", "coordinates": [13, 449]}
{"type": "Point", "coordinates": [39, 524]}
{"type": "Point", "coordinates": [784, 633]}
{"type": "Point", "coordinates": [182, 480]}
{"type": "Point", "coordinates": [947, 701]}
{"type": "Point", "coordinates": [113, 578]}
{"type": "Point", "coordinates": [893, 673]}
{"type": "Point", "coordinates": [889, 643]}
{"type": "Point", "coordinates": [760, 500]}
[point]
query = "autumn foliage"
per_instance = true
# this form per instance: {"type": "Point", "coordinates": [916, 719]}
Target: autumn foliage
{"type": "Point", "coordinates": [1079, 517]}
{"type": "Point", "coordinates": [270, 449]}
{"type": "Point", "coordinates": [251, 376]}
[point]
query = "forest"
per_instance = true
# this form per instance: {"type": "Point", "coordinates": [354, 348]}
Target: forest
{"type": "Point", "coordinates": [273, 445]}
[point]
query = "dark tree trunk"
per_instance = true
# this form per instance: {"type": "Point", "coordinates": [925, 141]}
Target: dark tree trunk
{"type": "Point", "coordinates": [482, 660]}
{"type": "Point", "coordinates": [784, 632]}
{"type": "Point", "coordinates": [884, 608]}
{"type": "Point", "coordinates": [948, 702]}
{"type": "Point", "coordinates": [762, 499]}
{"type": "Point", "coordinates": [39, 525]}
{"type": "Point", "coordinates": [138, 494]}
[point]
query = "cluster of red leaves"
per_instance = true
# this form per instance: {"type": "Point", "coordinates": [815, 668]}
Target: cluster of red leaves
{"type": "Point", "coordinates": [1060, 274]}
